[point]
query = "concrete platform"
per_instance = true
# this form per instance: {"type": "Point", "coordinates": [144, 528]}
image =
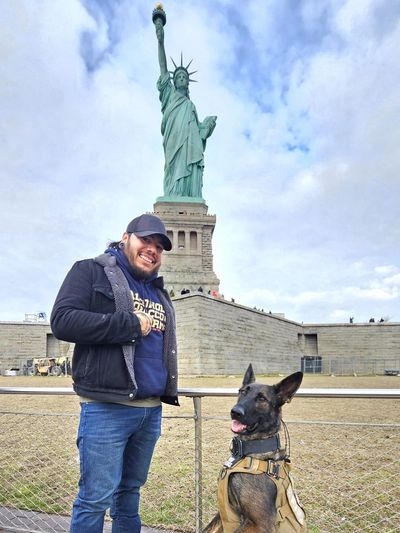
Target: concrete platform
{"type": "Point", "coordinates": [16, 520]}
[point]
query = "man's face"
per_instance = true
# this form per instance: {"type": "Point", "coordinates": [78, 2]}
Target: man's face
{"type": "Point", "coordinates": [143, 253]}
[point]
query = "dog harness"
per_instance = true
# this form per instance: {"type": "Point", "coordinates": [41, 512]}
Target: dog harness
{"type": "Point", "coordinates": [290, 516]}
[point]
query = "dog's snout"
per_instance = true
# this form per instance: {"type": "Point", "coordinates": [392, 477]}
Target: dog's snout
{"type": "Point", "coordinates": [237, 411]}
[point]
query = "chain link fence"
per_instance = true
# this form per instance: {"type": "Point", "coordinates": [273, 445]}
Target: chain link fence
{"type": "Point", "coordinates": [347, 473]}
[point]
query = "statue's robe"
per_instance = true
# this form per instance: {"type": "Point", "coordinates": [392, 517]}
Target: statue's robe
{"type": "Point", "coordinates": [182, 141]}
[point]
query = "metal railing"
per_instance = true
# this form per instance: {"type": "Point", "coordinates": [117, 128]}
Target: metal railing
{"type": "Point", "coordinates": [347, 472]}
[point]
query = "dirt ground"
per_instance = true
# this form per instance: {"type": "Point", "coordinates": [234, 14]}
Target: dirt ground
{"type": "Point", "coordinates": [330, 495]}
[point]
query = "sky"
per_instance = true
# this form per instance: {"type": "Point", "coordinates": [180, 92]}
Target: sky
{"type": "Point", "coordinates": [302, 170]}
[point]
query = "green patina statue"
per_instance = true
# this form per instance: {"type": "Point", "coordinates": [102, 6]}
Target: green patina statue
{"type": "Point", "coordinates": [184, 136]}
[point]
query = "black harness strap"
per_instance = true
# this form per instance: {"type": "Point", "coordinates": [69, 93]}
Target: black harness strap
{"type": "Point", "coordinates": [241, 448]}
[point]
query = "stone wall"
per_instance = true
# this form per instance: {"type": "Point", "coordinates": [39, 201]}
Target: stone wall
{"type": "Point", "coordinates": [207, 256]}
{"type": "Point", "coordinates": [20, 341]}
{"type": "Point", "coordinates": [356, 341]}
{"type": "Point", "coordinates": [219, 337]}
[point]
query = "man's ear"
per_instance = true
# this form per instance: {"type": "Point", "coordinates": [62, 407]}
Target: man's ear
{"type": "Point", "coordinates": [287, 388]}
{"type": "Point", "coordinates": [125, 237]}
{"type": "Point", "coordinates": [249, 376]}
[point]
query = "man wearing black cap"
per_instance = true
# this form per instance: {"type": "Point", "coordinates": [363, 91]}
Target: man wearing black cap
{"type": "Point", "coordinates": [116, 311]}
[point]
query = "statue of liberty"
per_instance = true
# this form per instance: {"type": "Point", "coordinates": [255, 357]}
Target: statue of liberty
{"type": "Point", "coordinates": [184, 136]}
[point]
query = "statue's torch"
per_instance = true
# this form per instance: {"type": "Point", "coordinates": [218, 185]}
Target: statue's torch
{"type": "Point", "coordinates": [159, 14]}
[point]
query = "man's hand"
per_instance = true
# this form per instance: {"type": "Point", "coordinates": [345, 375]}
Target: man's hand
{"type": "Point", "coordinates": [145, 322]}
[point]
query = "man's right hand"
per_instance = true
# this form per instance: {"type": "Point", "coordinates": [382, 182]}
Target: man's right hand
{"type": "Point", "coordinates": [145, 322]}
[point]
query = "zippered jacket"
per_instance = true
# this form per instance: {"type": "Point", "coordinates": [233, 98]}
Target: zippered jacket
{"type": "Point", "coordinates": [93, 309]}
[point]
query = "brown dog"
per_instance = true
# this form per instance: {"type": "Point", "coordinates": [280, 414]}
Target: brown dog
{"type": "Point", "coordinates": [255, 488]}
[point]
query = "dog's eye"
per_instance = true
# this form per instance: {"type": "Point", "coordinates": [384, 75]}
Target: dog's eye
{"type": "Point", "coordinates": [261, 398]}
{"type": "Point", "coordinates": [242, 392]}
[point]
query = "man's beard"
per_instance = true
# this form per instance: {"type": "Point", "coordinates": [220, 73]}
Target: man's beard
{"type": "Point", "coordinates": [141, 274]}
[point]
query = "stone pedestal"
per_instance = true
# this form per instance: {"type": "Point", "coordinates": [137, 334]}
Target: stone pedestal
{"type": "Point", "coordinates": [189, 265]}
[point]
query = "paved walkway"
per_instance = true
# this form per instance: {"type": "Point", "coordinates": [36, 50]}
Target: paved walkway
{"type": "Point", "coordinates": [16, 520]}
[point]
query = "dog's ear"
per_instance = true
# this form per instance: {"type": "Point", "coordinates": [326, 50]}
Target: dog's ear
{"type": "Point", "coordinates": [287, 388]}
{"type": "Point", "coordinates": [249, 377]}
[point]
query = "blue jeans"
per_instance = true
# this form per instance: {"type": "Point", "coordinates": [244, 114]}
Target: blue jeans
{"type": "Point", "coordinates": [116, 444]}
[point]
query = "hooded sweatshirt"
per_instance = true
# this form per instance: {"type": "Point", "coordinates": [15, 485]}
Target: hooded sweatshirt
{"type": "Point", "coordinates": [150, 372]}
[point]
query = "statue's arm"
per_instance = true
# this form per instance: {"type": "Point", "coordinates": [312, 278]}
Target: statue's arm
{"type": "Point", "coordinates": [162, 59]}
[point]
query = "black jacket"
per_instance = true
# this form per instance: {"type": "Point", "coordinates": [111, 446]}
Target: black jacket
{"type": "Point", "coordinates": [93, 309]}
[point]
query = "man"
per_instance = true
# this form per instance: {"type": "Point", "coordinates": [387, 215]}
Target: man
{"type": "Point", "coordinates": [115, 310]}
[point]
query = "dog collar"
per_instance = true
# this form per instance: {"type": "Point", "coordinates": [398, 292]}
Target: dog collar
{"type": "Point", "coordinates": [241, 448]}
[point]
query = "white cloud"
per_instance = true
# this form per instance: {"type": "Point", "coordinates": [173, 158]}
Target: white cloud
{"type": "Point", "coordinates": [386, 269]}
{"type": "Point", "coordinates": [393, 280]}
{"type": "Point", "coordinates": [341, 315]}
{"type": "Point", "coordinates": [301, 171]}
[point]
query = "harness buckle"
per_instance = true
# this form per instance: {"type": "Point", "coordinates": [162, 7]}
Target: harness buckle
{"type": "Point", "coordinates": [236, 447]}
{"type": "Point", "coordinates": [273, 469]}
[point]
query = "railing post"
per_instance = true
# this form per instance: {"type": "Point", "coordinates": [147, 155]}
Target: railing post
{"type": "Point", "coordinates": [198, 462]}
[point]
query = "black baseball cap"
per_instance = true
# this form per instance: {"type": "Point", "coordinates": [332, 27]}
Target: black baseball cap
{"type": "Point", "coordinates": [146, 225]}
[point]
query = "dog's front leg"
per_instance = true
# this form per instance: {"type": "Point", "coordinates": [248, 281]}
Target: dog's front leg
{"type": "Point", "coordinates": [215, 526]}
{"type": "Point", "coordinates": [251, 527]}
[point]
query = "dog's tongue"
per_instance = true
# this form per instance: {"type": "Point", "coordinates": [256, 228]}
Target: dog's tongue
{"type": "Point", "coordinates": [237, 427]}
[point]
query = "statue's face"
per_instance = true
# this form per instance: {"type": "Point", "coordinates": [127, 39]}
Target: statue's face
{"type": "Point", "coordinates": [181, 80]}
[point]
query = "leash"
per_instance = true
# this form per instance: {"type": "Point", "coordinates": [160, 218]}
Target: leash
{"type": "Point", "coordinates": [287, 439]}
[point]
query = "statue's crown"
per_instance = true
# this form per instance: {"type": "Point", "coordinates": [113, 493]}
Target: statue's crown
{"type": "Point", "coordinates": [181, 68]}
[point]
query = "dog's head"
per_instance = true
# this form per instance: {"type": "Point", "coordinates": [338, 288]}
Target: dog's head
{"type": "Point", "coordinates": [257, 412]}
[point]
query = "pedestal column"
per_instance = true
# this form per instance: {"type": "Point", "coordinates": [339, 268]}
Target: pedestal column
{"type": "Point", "coordinates": [189, 265]}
